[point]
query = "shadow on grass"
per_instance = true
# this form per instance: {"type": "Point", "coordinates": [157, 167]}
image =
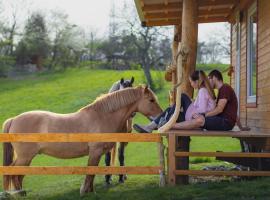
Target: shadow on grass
{"type": "Point", "coordinates": [256, 189]}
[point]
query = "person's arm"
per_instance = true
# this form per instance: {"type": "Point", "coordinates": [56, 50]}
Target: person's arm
{"type": "Point", "coordinates": [219, 108]}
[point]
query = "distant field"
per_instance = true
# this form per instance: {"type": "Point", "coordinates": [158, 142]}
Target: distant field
{"type": "Point", "coordinates": [70, 90]}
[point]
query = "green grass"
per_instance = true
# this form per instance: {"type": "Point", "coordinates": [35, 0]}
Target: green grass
{"type": "Point", "coordinates": [70, 90]}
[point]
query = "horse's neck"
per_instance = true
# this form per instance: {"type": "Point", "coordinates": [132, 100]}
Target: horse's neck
{"type": "Point", "coordinates": [119, 118]}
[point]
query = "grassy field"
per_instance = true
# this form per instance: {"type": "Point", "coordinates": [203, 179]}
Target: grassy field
{"type": "Point", "coordinates": [70, 90]}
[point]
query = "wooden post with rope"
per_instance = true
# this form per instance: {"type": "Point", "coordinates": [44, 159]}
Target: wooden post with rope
{"type": "Point", "coordinates": [189, 40]}
{"type": "Point", "coordinates": [186, 62]}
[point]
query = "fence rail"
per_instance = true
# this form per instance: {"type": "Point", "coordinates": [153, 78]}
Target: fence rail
{"type": "Point", "coordinates": [69, 170]}
{"type": "Point", "coordinates": [79, 137]}
{"type": "Point", "coordinates": [83, 137]}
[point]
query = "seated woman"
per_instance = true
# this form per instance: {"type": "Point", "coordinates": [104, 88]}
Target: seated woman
{"type": "Point", "coordinates": [204, 102]}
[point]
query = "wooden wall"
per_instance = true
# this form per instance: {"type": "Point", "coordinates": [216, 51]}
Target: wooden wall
{"type": "Point", "coordinates": [258, 118]}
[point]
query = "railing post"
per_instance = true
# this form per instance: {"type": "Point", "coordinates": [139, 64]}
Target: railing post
{"type": "Point", "coordinates": [162, 181]}
{"type": "Point", "coordinates": [171, 157]}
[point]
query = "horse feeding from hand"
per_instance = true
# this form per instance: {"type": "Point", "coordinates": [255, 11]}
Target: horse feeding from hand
{"type": "Point", "coordinates": [107, 114]}
{"type": "Point", "coordinates": [110, 157]}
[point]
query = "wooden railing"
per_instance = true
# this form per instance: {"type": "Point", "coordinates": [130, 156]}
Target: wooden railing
{"type": "Point", "coordinates": [179, 170]}
{"type": "Point", "coordinates": [85, 137]}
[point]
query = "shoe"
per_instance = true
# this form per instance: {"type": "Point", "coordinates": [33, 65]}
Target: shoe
{"type": "Point", "coordinates": [140, 129]}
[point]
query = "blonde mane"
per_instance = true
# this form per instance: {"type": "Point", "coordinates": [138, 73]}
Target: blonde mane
{"type": "Point", "coordinates": [114, 101]}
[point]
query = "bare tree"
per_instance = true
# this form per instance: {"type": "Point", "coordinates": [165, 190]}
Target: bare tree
{"type": "Point", "coordinates": [145, 39]}
{"type": "Point", "coordinates": [12, 21]}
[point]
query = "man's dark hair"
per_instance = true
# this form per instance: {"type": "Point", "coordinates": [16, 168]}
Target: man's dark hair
{"type": "Point", "coordinates": [217, 74]}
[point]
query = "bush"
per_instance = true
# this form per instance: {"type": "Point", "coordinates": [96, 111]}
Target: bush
{"type": "Point", "coordinates": [209, 67]}
{"type": "Point", "coordinates": [6, 63]}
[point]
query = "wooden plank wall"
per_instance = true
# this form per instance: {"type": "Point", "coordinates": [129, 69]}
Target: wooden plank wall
{"type": "Point", "coordinates": [257, 118]}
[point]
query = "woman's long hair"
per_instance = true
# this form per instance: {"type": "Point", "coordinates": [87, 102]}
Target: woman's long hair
{"type": "Point", "coordinates": [199, 75]}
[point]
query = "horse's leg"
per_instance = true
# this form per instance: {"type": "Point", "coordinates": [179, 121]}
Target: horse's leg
{"type": "Point", "coordinates": [121, 157]}
{"type": "Point", "coordinates": [18, 179]}
{"type": "Point", "coordinates": [108, 162]}
{"type": "Point", "coordinates": [87, 186]}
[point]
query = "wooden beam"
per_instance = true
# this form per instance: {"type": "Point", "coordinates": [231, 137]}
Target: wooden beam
{"type": "Point", "coordinates": [168, 22]}
{"type": "Point", "coordinates": [244, 4]}
{"type": "Point", "coordinates": [68, 170]}
{"type": "Point", "coordinates": [157, 7]}
{"type": "Point", "coordinates": [221, 173]}
{"type": "Point", "coordinates": [236, 134]}
{"type": "Point", "coordinates": [206, 3]}
{"type": "Point", "coordinates": [223, 154]}
{"type": "Point", "coordinates": [79, 137]}
{"type": "Point", "coordinates": [163, 22]}
{"type": "Point", "coordinates": [210, 19]}
{"type": "Point", "coordinates": [178, 5]}
{"type": "Point", "coordinates": [160, 15]}
{"type": "Point", "coordinates": [178, 14]}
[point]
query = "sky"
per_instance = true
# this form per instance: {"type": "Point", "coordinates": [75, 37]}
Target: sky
{"type": "Point", "coordinates": [94, 15]}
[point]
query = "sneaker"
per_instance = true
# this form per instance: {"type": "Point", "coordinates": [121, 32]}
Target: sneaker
{"type": "Point", "coordinates": [140, 129]}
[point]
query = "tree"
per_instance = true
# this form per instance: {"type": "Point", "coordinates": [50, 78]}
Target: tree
{"type": "Point", "coordinates": [11, 22]}
{"type": "Point", "coordinates": [146, 40]}
{"type": "Point", "coordinates": [34, 45]}
{"type": "Point", "coordinates": [67, 40]}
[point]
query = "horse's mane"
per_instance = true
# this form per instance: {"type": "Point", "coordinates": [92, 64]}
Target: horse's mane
{"type": "Point", "coordinates": [114, 101]}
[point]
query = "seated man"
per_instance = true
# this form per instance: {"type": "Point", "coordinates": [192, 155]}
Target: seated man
{"type": "Point", "coordinates": [224, 116]}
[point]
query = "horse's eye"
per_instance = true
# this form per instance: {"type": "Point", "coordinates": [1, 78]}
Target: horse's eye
{"type": "Point", "coordinates": [152, 100]}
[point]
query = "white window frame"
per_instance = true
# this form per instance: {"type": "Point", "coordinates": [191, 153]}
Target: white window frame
{"type": "Point", "coordinates": [238, 59]}
{"type": "Point", "coordinates": [251, 11]}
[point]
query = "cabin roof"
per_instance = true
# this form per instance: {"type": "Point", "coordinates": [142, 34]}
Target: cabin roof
{"type": "Point", "coordinates": [169, 12]}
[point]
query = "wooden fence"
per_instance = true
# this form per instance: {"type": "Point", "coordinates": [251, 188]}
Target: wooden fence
{"type": "Point", "coordinates": [85, 137]}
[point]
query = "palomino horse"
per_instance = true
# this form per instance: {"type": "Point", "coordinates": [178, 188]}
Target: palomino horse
{"type": "Point", "coordinates": [110, 156]}
{"type": "Point", "coordinates": [108, 113]}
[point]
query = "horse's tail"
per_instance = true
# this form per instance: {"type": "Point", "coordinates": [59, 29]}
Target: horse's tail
{"type": "Point", "coordinates": [114, 154]}
{"type": "Point", "coordinates": [7, 154]}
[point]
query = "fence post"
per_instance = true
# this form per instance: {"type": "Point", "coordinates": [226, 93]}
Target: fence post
{"type": "Point", "coordinates": [162, 181]}
{"type": "Point", "coordinates": [171, 157]}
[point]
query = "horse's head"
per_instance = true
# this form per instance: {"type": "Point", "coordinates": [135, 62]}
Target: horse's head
{"type": "Point", "coordinates": [126, 83]}
{"type": "Point", "coordinates": [148, 103]}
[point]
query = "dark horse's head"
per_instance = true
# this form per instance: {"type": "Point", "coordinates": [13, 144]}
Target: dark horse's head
{"type": "Point", "coordinates": [126, 83]}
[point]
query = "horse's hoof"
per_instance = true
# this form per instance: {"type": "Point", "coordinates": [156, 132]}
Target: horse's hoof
{"type": "Point", "coordinates": [122, 178]}
{"type": "Point", "coordinates": [17, 193]}
{"type": "Point", "coordinates": [121, 181]}
{"type": "Point", "coordinates": [125, 177]}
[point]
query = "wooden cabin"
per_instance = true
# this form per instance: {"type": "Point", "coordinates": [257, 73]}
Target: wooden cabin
{"type": "Point", "coordinates": [250, 50]}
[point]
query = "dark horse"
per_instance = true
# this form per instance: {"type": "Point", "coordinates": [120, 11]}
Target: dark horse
{"type": "Point", "coordinates": [119, 85]}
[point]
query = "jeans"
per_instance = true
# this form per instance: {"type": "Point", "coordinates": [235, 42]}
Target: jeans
{"type": "Point", "coordinates": [217, 123]}
{"type": "Point", "coordinates": [167, 114]}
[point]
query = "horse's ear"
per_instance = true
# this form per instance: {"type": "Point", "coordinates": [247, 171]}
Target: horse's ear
{"type": "Point", "coordinates": [132, 80]}
{"type": "Point", "coordinates": [121, 81]}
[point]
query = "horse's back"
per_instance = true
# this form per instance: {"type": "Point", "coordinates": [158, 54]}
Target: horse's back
{"type": "Point", "coordinates": [32, 121]}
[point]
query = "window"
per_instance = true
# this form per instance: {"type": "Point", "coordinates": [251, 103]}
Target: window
{"type": "Point", "coordinates": [252, 54]}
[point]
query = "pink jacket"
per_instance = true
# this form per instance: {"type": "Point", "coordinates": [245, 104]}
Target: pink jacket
{"type": "Point", "coordinates": [202, 104]}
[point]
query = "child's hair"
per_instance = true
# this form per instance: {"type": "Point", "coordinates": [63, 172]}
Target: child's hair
{"type": "Point", "coordinates": [199, 75]}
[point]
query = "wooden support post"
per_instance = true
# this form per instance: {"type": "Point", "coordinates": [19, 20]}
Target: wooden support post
{"type": "Point", "coordinates": [182, 163]}
{"type": "Point", "coordinates": [162, 181]}
{"type": "Point", "coordinates": [171, 157]}
{"type": "Point", "coordinates": [189, 42]}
